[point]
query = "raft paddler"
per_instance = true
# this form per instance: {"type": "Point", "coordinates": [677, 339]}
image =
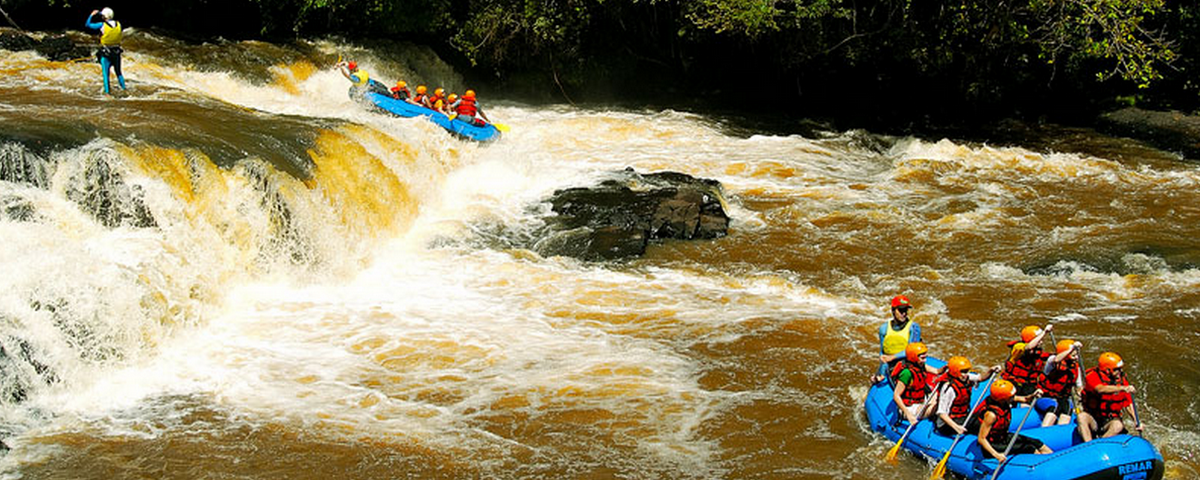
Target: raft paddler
{"type": "Point", "coordinates": [467, 109]}
{"type": "Point", "coordinates": [363, 83]}
{"type": "Point", "coordinates": [1026, 359]}
{"type": "Point", "coordinates": [914, 380]}
{"type": "Point", "coordinates": [954, 396]}
{"type": "Point", "coordinates": [400, 91]}
{"type": "Point", "coordinates": [110, 50]}
{"type": "Point", "coordinates": [992, 419]}
{"type": "Point", "coordinates": [1060, 377]}
{"type": "Point", "coordinates": [894, 336]}
{"type": "Point", "coordinates": [421, 98]}
{"type": "Point", "coordinates": [1106, 395]}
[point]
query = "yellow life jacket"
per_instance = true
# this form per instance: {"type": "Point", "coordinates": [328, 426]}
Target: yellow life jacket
{"type": "Point", "coordinates": [896, 340]}
{"type": "Point", "coordinates": [363, 78]}
{"type": "Point", "coordinates": [110, 33]}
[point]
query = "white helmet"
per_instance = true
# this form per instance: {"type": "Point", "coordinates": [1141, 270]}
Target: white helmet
{"type": "Point", "coordinates": [107, 13]}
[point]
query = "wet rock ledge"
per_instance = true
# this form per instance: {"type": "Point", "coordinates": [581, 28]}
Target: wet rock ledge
{"type": "Point", "coordinates": [1173, 131]}
{"type": "Point", "coordinates": [57, 48]}
{"type": "Point", "coordinates": [624, 213]}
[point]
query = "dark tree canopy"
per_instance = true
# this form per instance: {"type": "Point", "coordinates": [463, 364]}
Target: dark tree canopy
{"type": "Point", "coordinates": [952, 58]}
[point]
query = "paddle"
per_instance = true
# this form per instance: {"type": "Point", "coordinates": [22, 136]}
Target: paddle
{"type": "Point", "coordinates": [940, 470]}
{"type": "Point", "coordinates": [1011, 441]}
{"type": "Point", "coordinates": [891, 454]}
{"type": "Point", "coordinates": [499, 126]}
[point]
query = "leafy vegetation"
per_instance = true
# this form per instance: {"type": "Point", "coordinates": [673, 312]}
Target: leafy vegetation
{"type": "Point", "coordinates": [983, 57]}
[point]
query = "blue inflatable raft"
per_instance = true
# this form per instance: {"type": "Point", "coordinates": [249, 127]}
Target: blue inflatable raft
{"type": "Point", "coordinates": [1123, 457]}
{"type": "Point", "coordinates": [401, 108]}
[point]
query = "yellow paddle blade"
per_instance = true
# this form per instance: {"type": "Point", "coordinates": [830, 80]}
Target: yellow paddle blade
{"type": "Point", "coordinates": [939, 471]}
{"type": "Point", "coordinates": [891, 455]}
{"type": "Point", "coordinates": [501, 127]}
{"type": "Point", "coordinates": [452, 115]}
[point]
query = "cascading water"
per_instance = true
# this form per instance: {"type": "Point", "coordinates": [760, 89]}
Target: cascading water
{"type": "Point", "coordinates": [236, 271]}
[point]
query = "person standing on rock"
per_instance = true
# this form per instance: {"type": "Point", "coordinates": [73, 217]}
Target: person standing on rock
{"type": "Point", "coordinates": [109, 53]}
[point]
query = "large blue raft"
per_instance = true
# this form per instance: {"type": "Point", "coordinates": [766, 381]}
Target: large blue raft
{"type": "Point", "coordinates": [1123, 457]}
{"type": "Point", "coordinates": [401, 108]}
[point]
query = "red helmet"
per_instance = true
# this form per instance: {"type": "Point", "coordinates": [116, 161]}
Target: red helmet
{"type": "Point", "coordinates": [914, 351]}
{"type": "Point", "coordinates": [900, 301]}
{"type": "Point", "coordinates": [1030, 332]}
{"type": "Point", "coordinates": [1003, 389]}
{"type": "Point", "coordinates": [352, 65]}
{"type": "Point", "coordinates": [1110, 361]}
{"type": "Point", "coordinates": [958, 366]}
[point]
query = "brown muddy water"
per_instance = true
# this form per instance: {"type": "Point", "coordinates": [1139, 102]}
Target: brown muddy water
{"type": "Point", "coordinates": [235, 272]}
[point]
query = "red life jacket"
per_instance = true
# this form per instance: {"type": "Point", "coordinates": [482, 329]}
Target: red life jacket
{"type": "Point", "coordinates": [1104, 405]}
{"type": "Point", "coordinates": [1025, 369]}
{"type": "Point", "coordinates": [421, 98]}
{"type": "Point", "coordinates": [466, 106]}
{"type": "Point", "coordinates": [1003, 413]}
{"type": "Point", "coordinates": [1058, 382]}
{"type": "Point", "coordinates": [915, 390]}
{"type": "Point", "coordinates": [400, 93]}
{"type": "Point", "coordinates": [962, 398]}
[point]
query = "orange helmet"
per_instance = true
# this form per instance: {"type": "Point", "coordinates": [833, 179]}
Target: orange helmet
{"type": "Point", "coordinates": [914, 351]}
{"type": "Point", "coordinates": [352, 66]}
{"type": "Point", "coordinates": [1110, 361]}
{"type": "Point", "coordinates": [1003, 389]}
{"type": "Point", "coordinates": [452, 97]}
{"type": "Point", "coordinates": [421, 89]}
{"type": "Point", "coordinates": [469, 94]}
{"type": "Point", "coordinates": [958, 366]}
{"type": "Point", "coordinates": [1064, 345]}
{"type": "Point", "coordinates": [1028, 333]}
{"type": "Point", "coordinates": [402, 83]}
{"type": "Point", "coordinates": [439, 92]}
{"type": "Point", "coordinates": [900, 301]}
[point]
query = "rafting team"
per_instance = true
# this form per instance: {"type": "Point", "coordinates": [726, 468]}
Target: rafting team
{"type": "Point", "coordinates": [1031, 376]}
{"type": "Point", "coordinates": [463, 108]}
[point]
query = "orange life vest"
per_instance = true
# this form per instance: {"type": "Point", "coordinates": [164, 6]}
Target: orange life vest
{"type": "Point", "coordinates": [916, 389]}
{"type": "Point", "coordinates": [1026, 368]}
{"type": "Point", "coordinates": [466, 106]}
{"type": "Point", "coordinates": [1003, 413]}
{"type": "Point", "coordinates": [1058, 382]}
{"type": "Point", "coordinates": [1104, 405]}
{"type": "Point", "coordinates": [962, 398]}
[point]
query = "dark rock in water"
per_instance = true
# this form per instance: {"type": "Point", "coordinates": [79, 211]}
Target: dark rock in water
{"type": "Point", "coordinates": [16, 42]}
{"type": "Point", "coordinates": [1174, 131]}
{"type": "Point", "coordinates": [100, 190]}
{"type": "Point", "coordinates": [59, 48]}
{"type": "Point", "coordinates": [621, 215]}
{"type": "Point", "coordinates": [62, 49]}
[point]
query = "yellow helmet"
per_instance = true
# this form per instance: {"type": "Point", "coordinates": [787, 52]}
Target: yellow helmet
{"type": "Point", "coordinates": [421, 89]}
{"type": "Point", "coordinates": [402, 83]}
{"type": "Point", "coordinates": [469, 94]}
{"type": "Point", "coordinates": [452, 97]}
{"type": "Point", "coordinates": [439, 92]}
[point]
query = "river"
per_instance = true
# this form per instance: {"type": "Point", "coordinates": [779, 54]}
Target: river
{"type": "Point", "coordinates": [233, 271]}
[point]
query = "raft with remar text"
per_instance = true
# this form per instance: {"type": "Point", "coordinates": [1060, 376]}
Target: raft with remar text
{"type": "Point", "coordinates": [1122, 457]}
